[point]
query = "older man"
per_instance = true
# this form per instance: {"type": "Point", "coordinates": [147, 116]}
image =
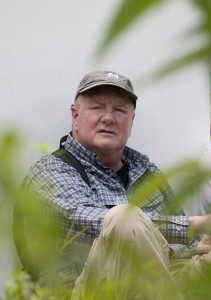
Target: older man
{"type": "Point", "coordinates": [127, 241]}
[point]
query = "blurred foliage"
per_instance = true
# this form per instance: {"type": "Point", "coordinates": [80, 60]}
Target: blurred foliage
{"type": "Point", "coordinates": [130, 11]}
{"type": "Point", "coordinates": [20, 287]}
{"type": "Point", "coordinates": [9, 179]}
{"type": "Point", "coordinates": [8, 164]}
{"type": "Point", "coordinates": [190, 175]}
{"type": "Point", "coordinates": [44, 148]}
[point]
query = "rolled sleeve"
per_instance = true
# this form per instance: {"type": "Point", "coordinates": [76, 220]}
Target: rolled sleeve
{"type": "Point", "coordinates": [174, 228]}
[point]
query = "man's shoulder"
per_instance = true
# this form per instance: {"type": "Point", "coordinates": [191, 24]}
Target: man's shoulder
{"type": "Point", "coordinates": [138, 158]}
{"type": "Point", "coordinates": [47, 164]}
{"type": "Point", "coordinates": [48, 161]}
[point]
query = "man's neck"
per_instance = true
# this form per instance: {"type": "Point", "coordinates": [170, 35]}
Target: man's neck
{"type": "Point", "coordinates": [110, 161]}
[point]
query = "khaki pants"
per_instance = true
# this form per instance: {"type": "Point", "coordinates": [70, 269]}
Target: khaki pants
{"type": "Point", "coordinates": [129, 260]}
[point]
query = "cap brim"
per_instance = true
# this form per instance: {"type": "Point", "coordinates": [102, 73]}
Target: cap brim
{"type": "Point", "coordinates": [131, 94]}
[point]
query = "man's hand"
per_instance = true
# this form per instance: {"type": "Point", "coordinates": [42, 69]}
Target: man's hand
{"type": "Point", "coordinates": [204, 245]}
{"type": "Point", "coordinates": [200, 224]}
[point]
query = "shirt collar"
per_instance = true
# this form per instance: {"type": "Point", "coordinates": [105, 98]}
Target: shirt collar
{"type": "Point", "coordinates": [79, 151]}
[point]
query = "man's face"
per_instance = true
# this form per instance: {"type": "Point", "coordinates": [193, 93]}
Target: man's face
{"type": "Point", "coordinates": [102, 121]}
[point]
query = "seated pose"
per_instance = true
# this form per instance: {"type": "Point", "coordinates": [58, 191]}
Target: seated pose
{"type": "Point", "coordinates": [132, 251]}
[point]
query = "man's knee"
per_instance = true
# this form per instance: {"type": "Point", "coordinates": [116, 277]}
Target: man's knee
{"type": "Point", "coordinates": [128, 222]}
{"type": "Point", "coordinates": [124, 220]}
{"type": "Point", "coordinates": [125, 213]}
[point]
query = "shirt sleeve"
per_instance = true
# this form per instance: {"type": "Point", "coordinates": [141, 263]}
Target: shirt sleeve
{"type": "Point", "coordinates": [162, 208]}
{"type": "Point", "coordinates": [174, 228]}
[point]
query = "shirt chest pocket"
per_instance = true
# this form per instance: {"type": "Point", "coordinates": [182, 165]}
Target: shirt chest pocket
{"type": "Point", "coordinates": [109, 196]}
{"type": "Point", "coordinates": [148, 197]}
{"type": "Point", "coordinates": [153, 202]}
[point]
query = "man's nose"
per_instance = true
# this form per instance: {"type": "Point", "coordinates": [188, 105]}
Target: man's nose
{"type": "Point", "coordinates": [108, 116]}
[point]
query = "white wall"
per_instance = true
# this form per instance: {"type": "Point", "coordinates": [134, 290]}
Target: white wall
{"type": "Point", "coordinates": [48, 45]}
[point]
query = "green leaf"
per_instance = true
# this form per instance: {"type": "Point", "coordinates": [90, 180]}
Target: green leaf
{"type": "Point", "coordinates": [130, 10]}
{"type": "Point", "coordinates": [190, 176]}
{"type": "Point", "coordinates": [127, 13]}
{"type": "Point", "coordinates": [202, 54]}
{"type": "Point", "coordinates": [44, 148]}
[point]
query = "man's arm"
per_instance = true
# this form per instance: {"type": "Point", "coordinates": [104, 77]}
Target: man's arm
{"type": "Point", "coordinates": [204, 245]}
{"type": "Point", "coordinates": [200, 224]}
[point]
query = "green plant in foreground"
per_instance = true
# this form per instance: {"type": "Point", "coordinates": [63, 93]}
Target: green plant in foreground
{"type": "Point", "coordinates": [129, 11]}
{"type": "Point", "coordinates": [19, 287]}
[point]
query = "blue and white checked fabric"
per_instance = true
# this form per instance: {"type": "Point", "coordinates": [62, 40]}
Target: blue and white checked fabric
{"type": "Point", "coordinates": [83, 208]}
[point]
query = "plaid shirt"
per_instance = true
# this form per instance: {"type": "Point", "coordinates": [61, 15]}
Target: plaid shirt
{"type": "Point", "coordinates": [81, 206]}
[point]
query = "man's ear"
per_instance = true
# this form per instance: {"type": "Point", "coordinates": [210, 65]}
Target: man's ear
{"type": "Point", "coordinates": [132, 124]}
{"type": "Point", "coordinates": [74, 111]}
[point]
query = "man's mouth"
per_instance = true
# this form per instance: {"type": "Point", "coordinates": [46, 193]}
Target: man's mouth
{"type": "Point", "coordinates": [106, 131]}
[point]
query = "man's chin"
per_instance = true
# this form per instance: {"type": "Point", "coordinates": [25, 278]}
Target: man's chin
{"type": "Point", "coordinates": [107, 146]}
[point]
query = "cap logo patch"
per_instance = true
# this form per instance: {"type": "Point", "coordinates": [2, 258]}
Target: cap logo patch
{"type": "Point", "coordinates": [113, 75]}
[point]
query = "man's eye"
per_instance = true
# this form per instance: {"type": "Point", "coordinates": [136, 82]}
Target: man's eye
{"type": "Point", "coordinates": [96, 107]}
{"type": "Point", "coordinates": [120, 110]}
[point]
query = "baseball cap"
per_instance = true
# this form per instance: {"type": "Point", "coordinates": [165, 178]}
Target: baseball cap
{"type": "Point", "coordinates": [99, 78]}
